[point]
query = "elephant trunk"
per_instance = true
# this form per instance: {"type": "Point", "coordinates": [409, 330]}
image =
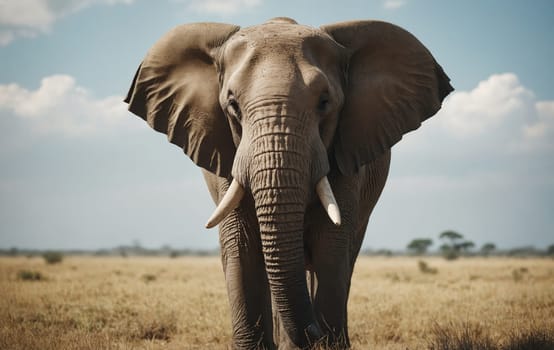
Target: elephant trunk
{"type": "Point", "coordinates": [279, 171]}
{"type": "Point", "coordinates": [280, 198]}
{"type": "Point", "coordinates": [280, 159]}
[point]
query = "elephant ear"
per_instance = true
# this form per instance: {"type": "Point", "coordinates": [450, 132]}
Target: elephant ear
{"type": "Point", "coordinates": [176, 90]}
{"type": "Point", "coordinates": [393, 85]}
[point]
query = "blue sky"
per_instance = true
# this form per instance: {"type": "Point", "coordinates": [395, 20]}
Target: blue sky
{"type": "Point", "coordinates": [78, 171]}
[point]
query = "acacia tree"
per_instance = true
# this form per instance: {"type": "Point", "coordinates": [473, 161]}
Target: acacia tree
{"type": "Point", "coordinates": [455, 244]}
{"type": "Point", "coordinates": [487, 248]}
{"type": "Point", "coordinates": [466, 246]}
{"type": "Point", "coordinates": [420, 245]}
{"type": "Point", "coordinates": [451, 249]}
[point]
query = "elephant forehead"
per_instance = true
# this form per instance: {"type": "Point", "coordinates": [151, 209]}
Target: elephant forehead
{"type": "Point", "coordinates": [278, 34]}
{"type": "Point", "coordinates": [284, 44]}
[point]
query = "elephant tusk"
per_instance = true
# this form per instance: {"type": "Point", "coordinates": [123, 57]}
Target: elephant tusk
{"type": "Point", "coordinates": [230, 201]}
{"type": "Point", "coordinates": [325, 193]}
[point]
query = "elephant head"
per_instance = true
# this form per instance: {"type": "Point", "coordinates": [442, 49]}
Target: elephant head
{"type": "Point", "coordinates": [275, 107]}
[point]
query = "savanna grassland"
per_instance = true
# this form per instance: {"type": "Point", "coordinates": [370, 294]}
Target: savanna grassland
{"type": "Point", "coordinates": [181, 303]}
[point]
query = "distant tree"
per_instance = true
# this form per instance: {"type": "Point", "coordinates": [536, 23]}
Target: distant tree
{"type": "Point", "coordinates": [452, 236]}
{"type": "Point", "coordinates": [488, 248]}
{"type": "Point", "coordinates": [384, 252]}
{"type": "Point", "coordinates": [525, 251]}
{"type": "Point", "coordinates": [52, 257]}
{"type": "Point", "coordinates": [550, 250]}
{"type": "Point", "coordinates": [465, 246]}
{"type": "Point", "coordinates": [451, 249]}
{"type": "Point", "coordinates": [420, 245]}
{"type": "Point", "coordinates": [448, 252]}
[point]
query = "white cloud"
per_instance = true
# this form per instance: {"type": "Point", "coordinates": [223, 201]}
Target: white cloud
{"type": "Point", "coordinates": [544, 126]}
{"type": "Point", "coordinates": [28, 18]}
{"type": "Point", "coordinates": [498, 110]}
{"type": "Point", "coordinates": [60, 106]}
{"type": "Point", "coordinates": [222, 7]}
{"type": "Point", "coordinates": [393, 4]}
{"type": "Point", "coordinates": [487, 106]}
{"type": "Point", "coordinates": [497, 133]}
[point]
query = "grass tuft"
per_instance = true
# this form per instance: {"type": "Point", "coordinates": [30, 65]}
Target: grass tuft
{"type": "Point", "coordinates": [425, 268]}
{"type": "Point", "coordinates": [532, 339]}
{"type": "Point", "coordinates": [148, 277]}
{"type": "Point", "coordinates": [473, 337]}
{"type": "Point", "coordinates": [27, 275]}
{"type": "Point", "coordinates": [460, 337]}
{"type": "Point", "coordinates": [163, 327]}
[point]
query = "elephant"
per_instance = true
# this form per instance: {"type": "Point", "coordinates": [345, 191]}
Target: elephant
{"type": "Point", "coordinates": [292, 126]}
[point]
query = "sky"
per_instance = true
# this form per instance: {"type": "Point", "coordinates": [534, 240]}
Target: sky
{"type": "Point", "coordinates": [77, 170]}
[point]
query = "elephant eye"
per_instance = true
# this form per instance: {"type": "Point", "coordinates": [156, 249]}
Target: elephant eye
{"type": "Point", "coordinates": [323, 104]}
{"type": "Point", "coordinates": [232, 107]}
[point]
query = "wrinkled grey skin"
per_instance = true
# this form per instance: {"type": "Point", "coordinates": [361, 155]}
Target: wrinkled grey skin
{"type": "Point", "coordinates": [277, 107]}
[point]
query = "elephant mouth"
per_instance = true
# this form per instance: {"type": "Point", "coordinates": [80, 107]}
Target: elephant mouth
{"type": "Point", "coordinates": [234, 194]}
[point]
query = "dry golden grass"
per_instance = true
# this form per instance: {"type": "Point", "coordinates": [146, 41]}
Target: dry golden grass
{"type": "Point", "coordinates": [163, 303]}
{"type": "Point", "coordinates": [393, 305]}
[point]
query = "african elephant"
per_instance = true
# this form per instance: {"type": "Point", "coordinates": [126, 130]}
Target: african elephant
{"type": "Point", "coordinates": [293, 127]}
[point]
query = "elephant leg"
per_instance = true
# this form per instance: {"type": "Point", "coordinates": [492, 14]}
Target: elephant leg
{"type": "Point", "coordinates": [336, 249]}
{"type": "Point", "coordinates": [330, 261]}
{"type": "Point", "coordinates": [245, 276]}
{"type": "Point", "coordinates": [373, 179]}
{"type": "Point", "coordinates": [333, 250]}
